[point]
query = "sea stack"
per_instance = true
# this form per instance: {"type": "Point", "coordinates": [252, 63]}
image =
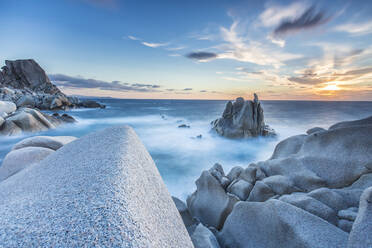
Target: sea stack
{"type": "Point", "coordinates": [242, 119]}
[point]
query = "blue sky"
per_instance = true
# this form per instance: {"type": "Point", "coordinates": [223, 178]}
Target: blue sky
{"type": "Point", "coordinates": [196, 49]}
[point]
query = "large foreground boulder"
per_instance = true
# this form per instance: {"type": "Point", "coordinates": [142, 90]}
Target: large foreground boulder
{"type": "Point", "coordinates": [242, 119]}
{"type": "Point", "coordinates": [274, 224]}
{"type": "Point", "coordinates": [106, 194]}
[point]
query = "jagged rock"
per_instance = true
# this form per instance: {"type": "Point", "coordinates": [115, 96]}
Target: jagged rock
{"type": "Point", "coordinates": [311, 205]}
{"type": "Point", "coordinates": [240, 188]}
{"type": "Point", "coordinates": [204, 238]}
{"type": "Point", "coordinates": [260, 192]}
{"type": "Point", "coordinates": [242, 119]}
{"type": "Point", "coordinates": [274, 224]}
{"type": "Point", "coordinates": [280, 184]}
{"type": "Point", "coordinates": [1, 121]}
{"type": "Point", "coordinates": [18, 160]}
{"type": "Point", "coordinates": [31, 120]}
{"type": "Point", "coordinates": [360, 235]}
{"type": "Point", "coordinates": [330, 198]}
{"type": "Point", "coordinates": [25, 83]}
{"type": "Point", "coordinates": [51, 142]}
{"type": "Point", "coordinates": [209, 190]}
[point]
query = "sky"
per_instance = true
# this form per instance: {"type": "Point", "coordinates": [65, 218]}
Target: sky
{"type": "Point", "coordinates": [196, 49]}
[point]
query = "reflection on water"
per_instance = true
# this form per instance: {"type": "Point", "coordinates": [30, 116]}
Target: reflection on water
{"type": "Point", "coordinates": [179, 155]}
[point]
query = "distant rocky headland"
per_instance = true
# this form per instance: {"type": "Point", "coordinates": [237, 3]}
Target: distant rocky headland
{"type": "Point", "coordinates": [242, 119]}
{"type": "Point", "coordinates": [25, 89]}
{"type": "Point", "coordinates": [315, 191]}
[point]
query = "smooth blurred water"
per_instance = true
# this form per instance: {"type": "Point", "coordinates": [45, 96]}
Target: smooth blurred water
{"type": "Point", "coordinates": [179, 156]}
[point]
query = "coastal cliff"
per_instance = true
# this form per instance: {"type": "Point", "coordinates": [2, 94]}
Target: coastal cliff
{"type": "Point", "coordinates": [26, 84]}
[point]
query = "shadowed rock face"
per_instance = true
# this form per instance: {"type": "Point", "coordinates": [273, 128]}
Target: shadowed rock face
{"type": "Point", "coordinates": [27, 74]}
{"type": "Point", "coordinates": [91, 194]}
{"type": "Point", "coordinates": [26, 84]}
{"type": "Point", "coordinates": [242, 119]}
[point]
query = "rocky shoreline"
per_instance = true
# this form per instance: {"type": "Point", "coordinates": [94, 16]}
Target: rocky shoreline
{"type": "Point", "coordinates": [25, 90]}
{"type": "Point", "coordinates": [314, 191]}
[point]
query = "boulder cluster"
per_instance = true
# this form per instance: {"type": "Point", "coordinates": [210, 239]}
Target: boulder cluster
{"type": "Point", "coordinates": [30, 151]}
{"type": "Point", "coordinates": [26, 84]}
{"type": "Point", "coordinates": [14, 121]}
{"type": "Point", "coordinates": [242, 119]}
{"type": "Point", "coordinates": [308, 194]}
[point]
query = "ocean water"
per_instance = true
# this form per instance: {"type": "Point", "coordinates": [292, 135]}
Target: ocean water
{"type": "Point", "coordinates": [178, 154]}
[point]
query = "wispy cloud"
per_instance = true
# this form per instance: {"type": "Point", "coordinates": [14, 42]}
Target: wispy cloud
{"type": "Point", "coordinates": [362, 28]}
{"type": "Point", "coordinates": [146, 43]}
{"type": "Point", "coordinates": [237, 47]}
{"type": "Point", "coordinates": [311, 18]}
{"type": "Point", "coordinates": [187, 89]}
{"type": "Point", "coordinates": [80, 82]}
{"type": "Point", "coordinates": [154, 45]}
{"type": "Point", "coordinates": [275, 14]}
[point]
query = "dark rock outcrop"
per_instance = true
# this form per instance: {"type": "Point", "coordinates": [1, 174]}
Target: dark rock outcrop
{"type": "Point", "coordinates": [242, 119]}
{"type": "Point", "coordinates": [26, 84]}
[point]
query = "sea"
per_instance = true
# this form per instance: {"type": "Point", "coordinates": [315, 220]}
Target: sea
{"type": "Point", "coordinates": [179, 154]}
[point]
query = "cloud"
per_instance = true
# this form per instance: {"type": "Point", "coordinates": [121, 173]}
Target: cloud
{"type": "Point", "coordinates": [202, 56]}
{"type": "Point", "coordinates": [133, 37]}
{"type": "Point", "coordinates": [80, 82]}
{"type": "Point", "coordinates": [187, 89]}
{"type": "Point", "coordinates": [312, 77]}
{"type": "Point", "coordinates": [148, 44]}
{"type": "Point", "coordinates": [274, 14]}
{"type": "Point", "coordinates": [237, 47]}
{"type": "Point", "coordinates": [311, 18]}
{"type": "Point", "coordinates": [202, 91]}
{"type": "Point", "coordinates": [176, 48]}
{"type": "Point", "coordinates": [355, 29]}
{"type": "Point", "coordinates": [153, 45]}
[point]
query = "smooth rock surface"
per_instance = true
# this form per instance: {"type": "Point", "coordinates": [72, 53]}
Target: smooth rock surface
{"type": "Point", "coordinates": [18, 160]}
{"type": "Point", "coordinates": [204, 238]}
{"type": "Point", "coordinates": [113, 196]}
{"type": "Point", "coordinates": [360, 235]}
{"type": "Point", "coordinates": [51, 142]}
{"type": "Point", "coordinates": [274, 224]}
{"type": "Point", "coordinates": [209, 190]}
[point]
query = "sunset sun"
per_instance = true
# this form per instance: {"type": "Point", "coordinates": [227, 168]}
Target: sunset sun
{"type": "Point", "coordinates": [331, 87]}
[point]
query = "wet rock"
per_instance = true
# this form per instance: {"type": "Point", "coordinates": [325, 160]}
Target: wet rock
{"type": "Point", "coordinates": [204, 238]}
